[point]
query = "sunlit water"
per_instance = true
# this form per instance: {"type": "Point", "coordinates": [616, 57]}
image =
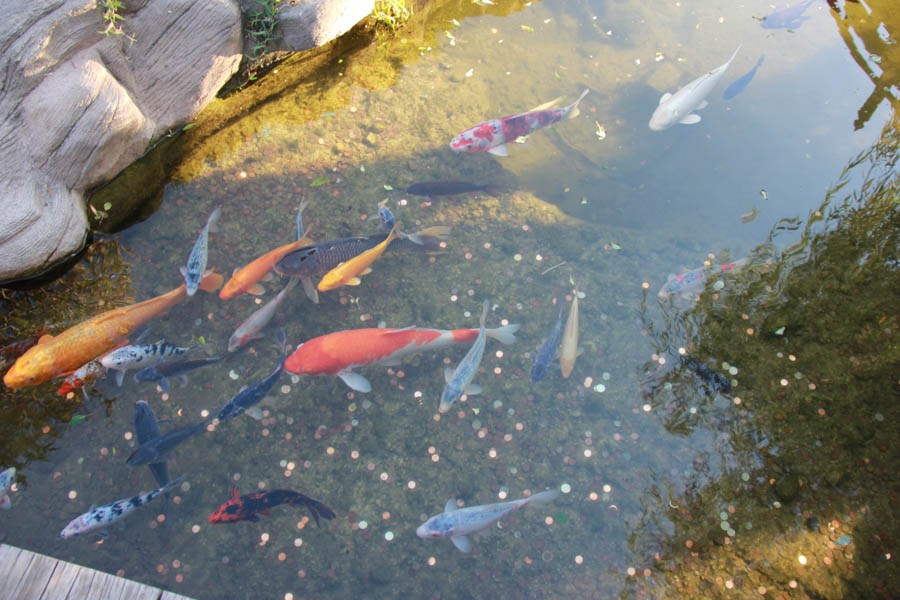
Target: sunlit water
{"type": "Point", "coordinates": [650, 204]}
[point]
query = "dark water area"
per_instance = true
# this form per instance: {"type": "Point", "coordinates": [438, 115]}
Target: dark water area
{"type": "Point", "coordinates": [735, 439]}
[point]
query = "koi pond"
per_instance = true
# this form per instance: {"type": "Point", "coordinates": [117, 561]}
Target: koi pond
{"type": "Point", "coordinates": [729, 427]}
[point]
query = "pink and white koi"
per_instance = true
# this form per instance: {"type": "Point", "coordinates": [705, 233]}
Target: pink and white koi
{"type": "Point", "coordinates": [456, 523]}
{"type": "Point", "coordinates": [96, 518]}
{"type": "Point", "coordinates": [691, 283]}
{"type": "Point", "coordinates": [492, 136]}
{"type": "Point", "coordinates": [7, 478]}
{"type": "Point", "coordinates": [252, 325]}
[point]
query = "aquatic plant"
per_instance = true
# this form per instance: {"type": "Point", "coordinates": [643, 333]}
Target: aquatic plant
{"type": "Point", "coordinates": [261, 27]}
{"type": "Point", "coordinates": [112, 18]}
{"type": "Point", "coordinates": [391, 14]}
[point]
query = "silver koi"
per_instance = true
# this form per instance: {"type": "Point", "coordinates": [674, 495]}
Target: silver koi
{"type": "Point", "coordinates": [7, 478]}
{"type": "Point", "coordinates": [252, 325]}
{"type": "Point", "coordinates": [195, 270]}
{"type": "Point", "coordinates": [456, 523]}
{"type": "Point", "coordinates": [459, 382]}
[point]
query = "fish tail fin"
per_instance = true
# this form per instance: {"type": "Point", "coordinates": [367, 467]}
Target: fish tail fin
{"type": "Point", "coordinates": [575, 112]}
{"type": "Point", "coordinates": [212, 221]}
{"type": "Point", "coordinates": [299, 220]}
{"type": "Point", "coordinates": [433, 236]}
{"type": "Point", "coordinates": [504, 335]}
{"type": "Point", "coordinates": [484, 311]}
{"type": "Point", "coordinates": [736, 50]}
{"type": "Point", "coordinates": [314, 506]}
{"type": "Point", "coordinates": [543, 497]}
{"type": "Point", "coordinates": [211, 282]}
{"type": "Point", "coordinates": [174, 483]}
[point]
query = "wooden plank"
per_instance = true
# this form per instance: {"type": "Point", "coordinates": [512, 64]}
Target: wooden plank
{"type": "Point", "coordinates": [31, 576]}
{"type": "Point", "coordinates": [61, 582]}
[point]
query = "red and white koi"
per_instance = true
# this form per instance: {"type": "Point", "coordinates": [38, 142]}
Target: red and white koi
{"type": "Point", "coordinates": [339, 352]}
{"type": "Point", "coordinates": [102, 516]}
{"type": "Point", "coordinates": [82, 377]}
{"type": "Point", "coordinates": [492, 136]}
{"type": "Point", "coordinates": [690, 283]}
{"type": "Point", "coordinates": [456, 523]}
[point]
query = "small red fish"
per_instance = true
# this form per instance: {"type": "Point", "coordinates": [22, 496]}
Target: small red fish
{"type": "Point", "coordinates": [13, 351]}
{"type": "Point", "coordinates": [246, 507]}
{"type": "Point", "coordinates": [83, 376]}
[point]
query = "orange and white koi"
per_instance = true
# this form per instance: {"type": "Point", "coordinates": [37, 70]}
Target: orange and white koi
{"type": "Point", "coordinates": [347, 273]}
{"type": "Point", "coordinates": [84, 376]}
{"type": "Point", "coordinates": [339, 352]}
{"type": "Point", "coordinates": [74, 347]}
{"type": "Point", "coordinates": [252, 325]}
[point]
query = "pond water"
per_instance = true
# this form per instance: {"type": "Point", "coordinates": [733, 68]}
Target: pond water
{"type": "Point", "coordinates": [728, 446]}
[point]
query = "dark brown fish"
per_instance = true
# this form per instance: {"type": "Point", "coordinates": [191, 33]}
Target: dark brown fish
{"type": "Point", "coordinates": [450, 188]}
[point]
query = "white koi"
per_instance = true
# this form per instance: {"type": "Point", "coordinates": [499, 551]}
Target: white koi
{"type": "Point", "coordinates": [96, 518]}
{"type": "Point", "coordinates": [139, 356]}
{"type": "Point", "coordinates": [568, 348]}
{"type": "Point", "coordinates": [679, 107]}
{"type": "Point", "coordinates": [456, 523]}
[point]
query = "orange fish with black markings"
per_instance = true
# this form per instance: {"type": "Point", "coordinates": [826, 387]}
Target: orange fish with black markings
{"type": "Point", "coordinates": [74, 347]}
{"type": "Point", "coordinates": [246, 507]}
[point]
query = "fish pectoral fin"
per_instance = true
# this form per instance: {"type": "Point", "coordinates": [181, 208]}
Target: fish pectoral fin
{"type": "Point", "coordinates": [366, 271]}
{"type": "Point", "coordinates": [269, 276]}
{"type": "Point", "coordinates": [703, 104]}
{"type": "Point", "coordinates": [665, 97]}
{"type": "Point", "coordinates": [390, 362]}
{"type": "Point", "coordinates": [499, 150]}
{"type": "Point", "coordinates": [690, 119]}
{"type": "Point", "coordinates": [448, 374]}
{"type": "Point", "coordinates": [310, 288]}
{"type": "Point", "coordinates": [120, 377]}
{"type": "Point", "coordinates": [472, 389]}
{"type": "Point", "coordinates": [355, 381]}
{"type": "Point", "coordinates": [183, 271]}
{"type": "Point", "coordinates": [462, 542]}
{"type": "Point", "coordinates": [450, 506]}
{"type": "Point", "coordinates": [256, 290]}
{"type": "Point", "coordinates": [45, 338]}
{"type": "Point", "coordinates": [164, 385]}
{"type": "Point", "coordinates": [353, 281]}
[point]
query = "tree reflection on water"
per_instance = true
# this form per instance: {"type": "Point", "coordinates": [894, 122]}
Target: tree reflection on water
{"type": "Point", "coordinates": [801, 498]}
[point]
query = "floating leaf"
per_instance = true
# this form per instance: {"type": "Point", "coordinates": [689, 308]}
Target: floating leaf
{"type": "Point", "coordinates": [387, 187]}
{"type": "Point", "coordinates": [764, 195]}
{"type": "Point", "coordinates": [328, 114]}
{"type": "Point", "coordinates": [562, 518]}
{"type": "Point", "coordinates": [319, 181]}
{"type": "Point", "coordinates": [77, 420]}
{"type": "Point", "coordinates": [584, 200]}
{"type": "Point", "coordinates": [780, 330]}
{"type": "Point", "coordinates": [615, 246]}
{"type": "Point", "coordinates": [555, 74]}
{"type": "Point", "coordinates": [202, 340]}
{"type": "Point", "coordinates": [566, 190]}
{"type": "Point", "coordinates": [746, 218]}
{"type": "Point", "coordinates": [107, 206]}
{"type": "Point", "coordinates": [188, 126]}
{"type": "Point", "coordinates": [527, 28]}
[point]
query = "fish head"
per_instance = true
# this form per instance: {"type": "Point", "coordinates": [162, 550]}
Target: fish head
{"type": "Point", "coordinates": [227, 513]}
{"type": "Point", "coordinates": [299, 263]}
{"type": "Point", "coordinates": [32, 368]}
{"type": "Point", "coordinates": [236, 341]}
{"type": "Point", "coordinates": [119, 357]}
{"type": "Point", "coordinates": [6, 479]}
{"type": "Point", "coordinates": [232, 288]}
{"type": "Point", "coordinates": [481, 137]}
{"type": "Point", "coordinates": [663, 118]}
{"type": "Point", "coordinates": [435, 527]}
{"type": "Point", "coordinates": [387, 217]}
{"type": "Point", "coordinates": [75, 527]}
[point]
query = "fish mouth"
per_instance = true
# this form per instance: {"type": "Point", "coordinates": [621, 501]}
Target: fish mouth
{"type": "Point", "coordinates": [422, 532]}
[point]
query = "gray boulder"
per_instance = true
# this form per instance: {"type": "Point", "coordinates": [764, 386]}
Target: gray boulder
{"type": "Point", "coordinates": [307, 24]}
{"type": "Point", "coordinates": [76, 107]}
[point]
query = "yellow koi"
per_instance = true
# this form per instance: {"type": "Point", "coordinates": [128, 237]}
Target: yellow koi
{"type": "Point", "coordinates": [347, 273]}
{"type": "Point", "coordinates": [569, 347]}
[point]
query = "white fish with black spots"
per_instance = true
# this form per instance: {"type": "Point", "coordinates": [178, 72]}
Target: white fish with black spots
{"type": "Point", "coordinates": [680, 106]}
{"type": "Point", "coordinates": [195, 270]}
{"type": "Point", "coordinates": [99, 517]}
{"type": "Point", "coordinates": [457, 523]}
{"type": "Point", "coordinates": [140, 356]}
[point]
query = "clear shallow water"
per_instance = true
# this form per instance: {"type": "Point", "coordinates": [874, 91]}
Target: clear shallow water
{"type": "Point", "coordinates": [649, 468]}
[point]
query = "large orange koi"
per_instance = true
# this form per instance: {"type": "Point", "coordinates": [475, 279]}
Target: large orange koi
{"type": "Point", "coordinates": [339, 352]}
{"type": "Point", "coordinates": [54, 356]}
{"type": "Point", "coordinates": [246, 279]}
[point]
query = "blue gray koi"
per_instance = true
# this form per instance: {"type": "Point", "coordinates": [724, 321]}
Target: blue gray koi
{"type": "Point", "coordinates": [459, 382]}
{"type": "Point", "coordinates": [147, 428]}
{"type": "Point", "coordinates": [255, 392]}
{"type": "Point", "coordinates": [195, 270]}
{"type": "Point", "coordinates": [160, 373]}
{"type": "Point", "coordinates": [548, 349]}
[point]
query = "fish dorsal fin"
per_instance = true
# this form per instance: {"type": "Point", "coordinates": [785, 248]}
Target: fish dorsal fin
{"type": "Point", "coordinates": [45, 338]}
{"type": "Point", "coordinates": [401, 330]}
{"type": "Point", "coordinates": [547, 105]}
{"type": "Point", "coordinates": [235, 493]}
{"type": "Point", "coordinates": [664, 97]}
{"type": "Point", "coordinates": [450, 506]}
